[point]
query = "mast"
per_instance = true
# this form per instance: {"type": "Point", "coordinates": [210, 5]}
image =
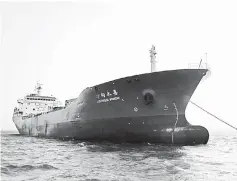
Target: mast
{"type": "Point", "coordinates": [38, 88]}
{"type": "Point", "coordinates": [153, 58]}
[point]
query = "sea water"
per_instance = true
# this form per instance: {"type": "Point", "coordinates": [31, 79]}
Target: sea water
{"type": "Point", "coordinates": [29, 158]}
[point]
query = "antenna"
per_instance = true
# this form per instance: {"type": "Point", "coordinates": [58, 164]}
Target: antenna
{"type": "Point", "coordinates": [153, 58]}
{"type": "Point", "coordinates": [201, 60]}
{"type": "Point", "coordinates": [200, 63]}
{"type": "Point", "coordinates": [206, 66]}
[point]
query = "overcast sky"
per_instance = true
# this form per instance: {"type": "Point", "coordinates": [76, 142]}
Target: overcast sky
{"type": "Point", "coordinates": [71, 46]}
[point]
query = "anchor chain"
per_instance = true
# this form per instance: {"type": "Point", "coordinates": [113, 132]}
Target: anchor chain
{"type": "Point", "coordinates": [213, 115]}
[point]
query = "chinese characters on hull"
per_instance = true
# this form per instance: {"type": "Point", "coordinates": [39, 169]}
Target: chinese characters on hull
{"type": "Point", "coordinates": [107, 96]}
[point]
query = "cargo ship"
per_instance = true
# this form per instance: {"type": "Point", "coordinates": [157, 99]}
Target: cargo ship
{"type": "Point", "coordinates": [148, 107]}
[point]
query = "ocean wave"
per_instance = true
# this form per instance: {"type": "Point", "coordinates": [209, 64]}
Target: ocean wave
{"type": "Point", "coordinates": [78, 160]}
{"type": "Point", "coordinates": [19, 168]}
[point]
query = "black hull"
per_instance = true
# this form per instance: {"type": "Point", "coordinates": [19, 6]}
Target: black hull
{"type": "Point", "coordinates": [132, 116]}
{"type": "Point", "coordinates": [142, 129]}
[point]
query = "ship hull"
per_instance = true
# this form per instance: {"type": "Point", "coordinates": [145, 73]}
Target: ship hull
{"type": "Point", "coordinates": [142, 108]}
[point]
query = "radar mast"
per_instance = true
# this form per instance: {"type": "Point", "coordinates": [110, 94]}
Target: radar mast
{"type": "Point", "coordinates": [153, 58]}
{"type": "Point", "coordinates": [38, 88]}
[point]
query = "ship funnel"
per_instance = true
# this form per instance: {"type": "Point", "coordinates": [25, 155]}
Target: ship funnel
{"type": "Point", "coordinates": [153, 58]}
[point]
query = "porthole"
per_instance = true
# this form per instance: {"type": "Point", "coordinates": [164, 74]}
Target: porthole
{"type": "Point", "coordinates": [148, 98]}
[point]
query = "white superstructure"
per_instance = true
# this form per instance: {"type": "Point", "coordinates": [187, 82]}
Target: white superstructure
{"type": "Point", "coordinates": [35, 104]}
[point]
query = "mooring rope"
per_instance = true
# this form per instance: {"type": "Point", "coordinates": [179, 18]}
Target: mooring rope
{"type": "Point", "coordinates": [213, 115]}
